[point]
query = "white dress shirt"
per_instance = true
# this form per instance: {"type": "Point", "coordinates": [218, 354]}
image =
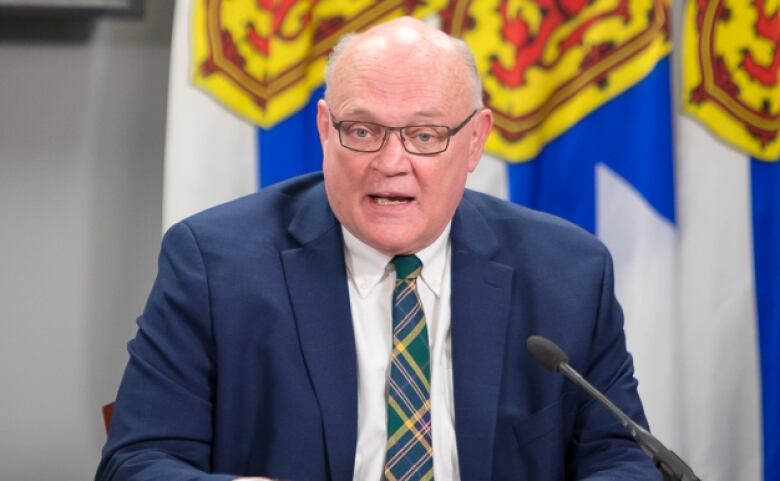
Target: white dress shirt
{"type": "Point", "coordinates": [371, 280]}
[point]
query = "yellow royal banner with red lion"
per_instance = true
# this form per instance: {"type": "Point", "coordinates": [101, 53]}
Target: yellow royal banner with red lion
{"type": "Point", "coordinates": [731, 72]}
{"type": "Point", "coordinates": [545, 64]}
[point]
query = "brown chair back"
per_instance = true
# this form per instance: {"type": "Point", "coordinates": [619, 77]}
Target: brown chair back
{"type": "Point", "coordinates": [108, 413]}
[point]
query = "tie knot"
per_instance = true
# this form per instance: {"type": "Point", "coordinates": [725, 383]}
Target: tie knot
{"type": "Point", "coordinates": [407, 267]}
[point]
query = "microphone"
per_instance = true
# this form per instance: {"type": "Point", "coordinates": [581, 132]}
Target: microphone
{"type": "Point", "coordinates": [552, 357]}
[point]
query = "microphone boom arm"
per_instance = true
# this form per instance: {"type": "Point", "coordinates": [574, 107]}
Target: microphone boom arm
{"type": "Point", "coordinates": [665, 460]}
{"type": "Point", "coordinates": [552, 358]}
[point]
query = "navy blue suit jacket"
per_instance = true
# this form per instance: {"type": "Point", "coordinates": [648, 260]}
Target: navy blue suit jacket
{"type": "Point", "coordinates": [245, 364]}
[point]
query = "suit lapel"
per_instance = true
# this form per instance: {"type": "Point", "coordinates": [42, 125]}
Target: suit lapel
{"type": "Point", "coordinates": [481, 293]}
{"type": "Point", "coordinates": [316, 280]}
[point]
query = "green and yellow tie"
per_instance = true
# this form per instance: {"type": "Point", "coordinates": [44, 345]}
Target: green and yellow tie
{"type": "Point", "coordinates": [409, 441]}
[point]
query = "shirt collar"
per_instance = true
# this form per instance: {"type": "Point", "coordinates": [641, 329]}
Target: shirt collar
{"type": "Point", "coordinates": [368, 267]}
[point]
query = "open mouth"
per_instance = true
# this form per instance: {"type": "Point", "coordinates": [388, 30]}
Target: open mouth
{"type": "Point", "coordinates": [390, 200]}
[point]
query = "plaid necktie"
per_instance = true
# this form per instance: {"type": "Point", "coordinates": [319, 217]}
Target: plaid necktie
{"type": "Point", "coordinates": [409, 447]}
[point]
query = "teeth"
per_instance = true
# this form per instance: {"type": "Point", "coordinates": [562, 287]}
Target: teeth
{"type": "Point", "coordinates": [388, 201]}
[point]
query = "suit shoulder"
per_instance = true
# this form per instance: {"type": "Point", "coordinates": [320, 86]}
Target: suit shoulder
{"type": "Point", "coordinates": [263, 214]}
{"type": "Point", "coordinates": [515, 223]}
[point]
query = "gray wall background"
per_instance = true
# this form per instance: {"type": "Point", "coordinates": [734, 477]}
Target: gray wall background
{"type": "Point", "coordinates": [82, 128]}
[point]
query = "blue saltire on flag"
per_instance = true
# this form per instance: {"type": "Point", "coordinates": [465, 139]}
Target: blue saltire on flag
{"type": "Point", "coordinates": [631, 134]}
{"type": "Point", "coordinates": [293, 145]}
{"type": "Point", "coordinates": [766, 243]}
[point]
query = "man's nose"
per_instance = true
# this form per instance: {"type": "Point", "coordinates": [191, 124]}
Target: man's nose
{"type": "Point", "coordinates": [392, 158]}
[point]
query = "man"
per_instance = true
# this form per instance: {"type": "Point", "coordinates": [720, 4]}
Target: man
{"type": "Point", "coordinates": [373, 325]}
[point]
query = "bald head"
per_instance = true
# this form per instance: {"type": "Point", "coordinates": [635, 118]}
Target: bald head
{"type": "Point", "coordinates": [406, 40]}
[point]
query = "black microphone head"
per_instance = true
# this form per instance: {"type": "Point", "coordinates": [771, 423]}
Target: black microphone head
{"type": "Point", "coordinates": [546, 352]}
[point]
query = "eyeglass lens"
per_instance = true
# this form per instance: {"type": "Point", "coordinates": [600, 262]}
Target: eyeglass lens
{"type": "Point", "coordinates": [369, 137]}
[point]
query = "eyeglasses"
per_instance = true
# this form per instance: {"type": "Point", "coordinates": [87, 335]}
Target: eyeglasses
{"type": "Point", "coordinates": [417, 139]}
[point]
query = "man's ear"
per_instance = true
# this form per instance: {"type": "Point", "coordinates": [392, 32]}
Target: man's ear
{"type": "Point", "coordinates": [483, 122]}
{"type": "Point", "coordinates": [323, 123]}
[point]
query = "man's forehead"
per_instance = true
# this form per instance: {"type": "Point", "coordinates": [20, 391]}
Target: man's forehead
{"type": "Point", "coordinates": [404, 99]}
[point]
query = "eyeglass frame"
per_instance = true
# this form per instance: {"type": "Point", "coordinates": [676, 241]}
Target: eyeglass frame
{"type": "Point", "coordinates": [450, 132]}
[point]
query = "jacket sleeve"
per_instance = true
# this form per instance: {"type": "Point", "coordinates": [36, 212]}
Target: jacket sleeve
{"type": "Point", "coordinates": [602, 449]}
{"type": "Point", "coordinates": [162, 425]}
